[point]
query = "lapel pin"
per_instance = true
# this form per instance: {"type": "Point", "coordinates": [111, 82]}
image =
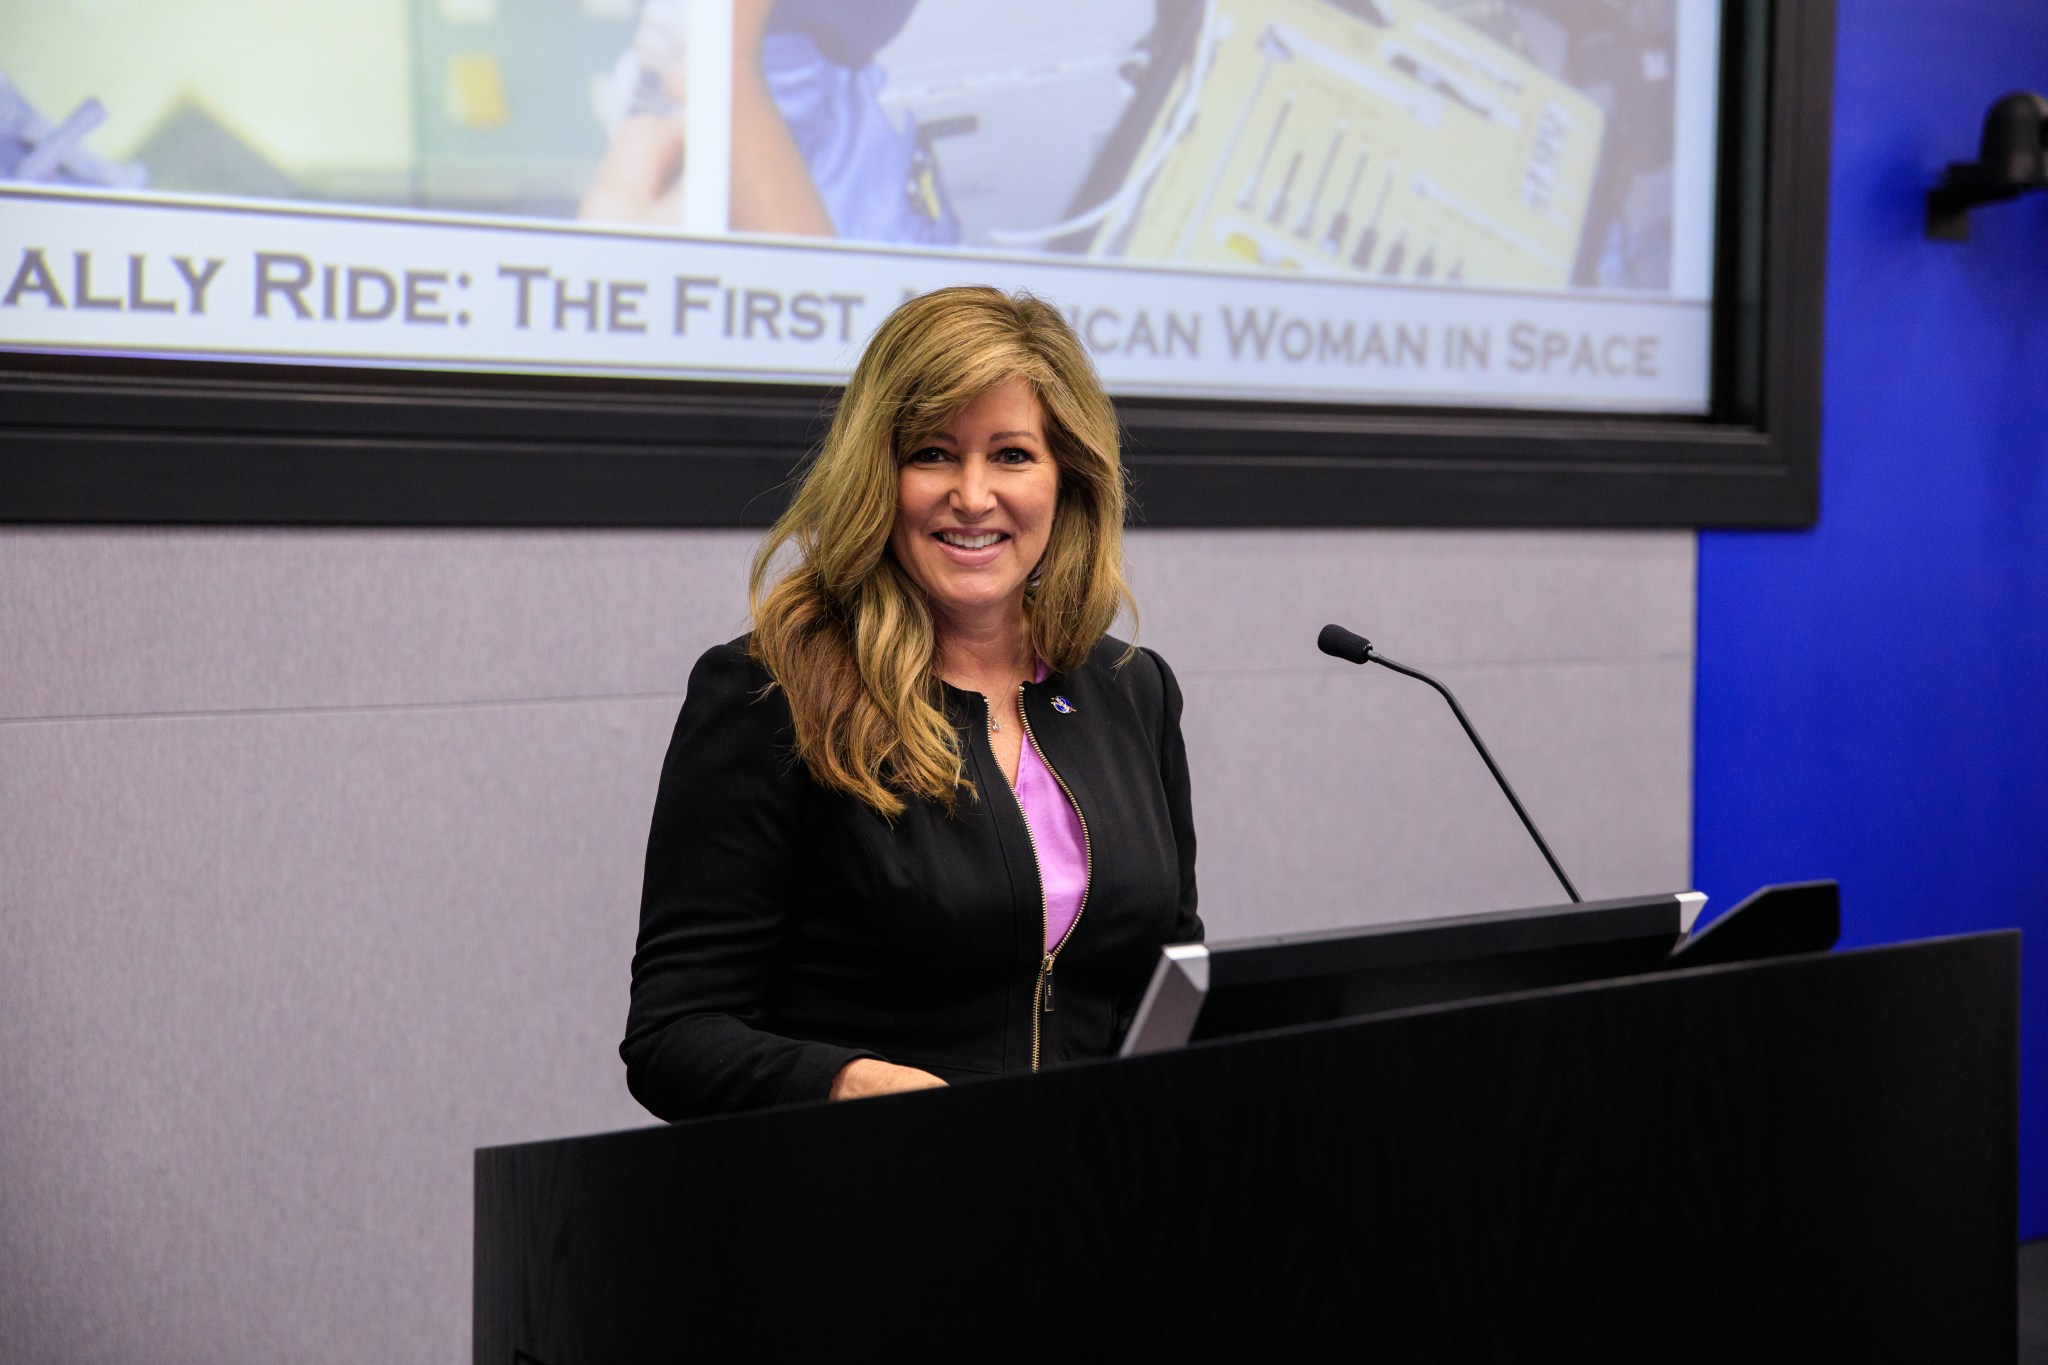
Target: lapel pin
{"type": "Point", "coordinates": [1063, 706]}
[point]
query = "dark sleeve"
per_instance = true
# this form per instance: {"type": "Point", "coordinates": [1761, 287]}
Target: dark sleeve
{"type": "Point", "coordinates": [725, 863]}
{"type": "Point", "coordinates": [1173, 775]}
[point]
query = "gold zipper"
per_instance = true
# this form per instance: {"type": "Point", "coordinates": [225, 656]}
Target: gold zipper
{"type": "Point", "coordinates": [1041, 997]}
{"type": "Point", "coordinates": [1037, 869]}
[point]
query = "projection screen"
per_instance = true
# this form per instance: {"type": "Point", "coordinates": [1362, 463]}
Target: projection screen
{"type": "Point", "coordinates": [1504, 204]}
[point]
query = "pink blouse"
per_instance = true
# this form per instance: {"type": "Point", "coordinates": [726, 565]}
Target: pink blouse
{"type": "Point", "coordinates": [1056, 835]}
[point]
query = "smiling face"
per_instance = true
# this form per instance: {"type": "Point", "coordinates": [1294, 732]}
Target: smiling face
{"type": "Point", "coordinates": [974, 508]}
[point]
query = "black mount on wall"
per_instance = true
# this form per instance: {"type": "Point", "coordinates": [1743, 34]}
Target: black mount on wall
{"type": "Point", "coordinates": [2011, 159]}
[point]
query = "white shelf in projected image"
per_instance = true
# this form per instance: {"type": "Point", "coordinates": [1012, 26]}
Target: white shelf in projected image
{"type": "Point", "coordinates": [140, 275]}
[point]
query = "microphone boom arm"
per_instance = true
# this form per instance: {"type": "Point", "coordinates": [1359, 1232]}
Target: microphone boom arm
{"type": "Point", "coordinates": [1343, 644]}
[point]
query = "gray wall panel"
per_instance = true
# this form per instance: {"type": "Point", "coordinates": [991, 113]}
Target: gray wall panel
{"type": "Point", "coordinates": [1328, 794]}
{"type": "Point", "coordinates": [319, 854]}
{"type": "Point", "coordinates": [277, 976]}
{"type": "Point", "coordinates": [1351, 797]}
{"type": "Point", "coordinates": [1233, 600]}
{"type": "Point", "coordinates": [149, 621]}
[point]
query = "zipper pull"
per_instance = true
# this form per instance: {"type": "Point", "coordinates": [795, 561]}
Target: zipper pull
{"type": "Point", "coordinates": [1045, 997]}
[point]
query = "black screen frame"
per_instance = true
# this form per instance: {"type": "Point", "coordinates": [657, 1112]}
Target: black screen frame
{"type": "Point", "coordinates": [123, 440]}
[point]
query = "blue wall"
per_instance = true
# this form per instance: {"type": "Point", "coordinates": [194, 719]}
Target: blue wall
{"type": "Point", "coordinates": [1873, 694]}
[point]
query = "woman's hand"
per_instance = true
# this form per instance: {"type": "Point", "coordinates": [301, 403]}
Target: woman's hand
{"type": "Point", "coordinates": [865, 1076]}
{"type": "Point", "coordinates": [639, 178]}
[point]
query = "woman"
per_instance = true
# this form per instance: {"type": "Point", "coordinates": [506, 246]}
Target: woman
{"type": "Point", "coordinates": [926, 822]}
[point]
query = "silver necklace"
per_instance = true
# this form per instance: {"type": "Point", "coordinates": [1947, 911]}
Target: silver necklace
{"type": "Point", "coordinates": [995, 723]}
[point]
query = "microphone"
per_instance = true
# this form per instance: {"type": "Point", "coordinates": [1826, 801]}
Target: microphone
{"type": "Point", "coordinates": [1340, 643]}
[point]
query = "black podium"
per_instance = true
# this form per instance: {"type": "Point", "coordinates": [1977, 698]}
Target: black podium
{"type": "Point", "coordinates": [1813, 1158]}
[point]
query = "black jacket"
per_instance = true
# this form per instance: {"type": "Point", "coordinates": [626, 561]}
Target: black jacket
{"type": "Point", "coordinates": [786, 929]}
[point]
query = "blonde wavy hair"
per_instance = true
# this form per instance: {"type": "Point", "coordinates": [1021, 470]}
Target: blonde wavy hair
{"type": "Point", "coordinates": [845, 633]}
